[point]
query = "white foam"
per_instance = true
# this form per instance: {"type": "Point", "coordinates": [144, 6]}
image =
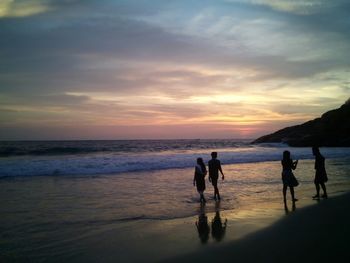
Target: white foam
{"type": "Point", "coordinates": [114, 163]}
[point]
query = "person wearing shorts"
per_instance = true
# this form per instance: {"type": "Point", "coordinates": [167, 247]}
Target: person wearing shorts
{"type": "Point", "coordinates": [214, 167]}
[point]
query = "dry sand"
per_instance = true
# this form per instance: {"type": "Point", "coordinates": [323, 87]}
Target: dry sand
{"type": "Point", "coordinates": [318, 233]}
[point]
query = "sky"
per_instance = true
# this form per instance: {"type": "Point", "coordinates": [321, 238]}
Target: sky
{"type": "Point", "coordinates": [166, 69]}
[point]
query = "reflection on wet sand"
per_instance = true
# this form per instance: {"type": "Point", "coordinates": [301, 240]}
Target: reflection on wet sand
{"type": "Point", "coordinates": [218, 227]}
{"type": "Point", "coordinates": [286, 208]}
{"type": "Point", "coordinates": [202, 225]}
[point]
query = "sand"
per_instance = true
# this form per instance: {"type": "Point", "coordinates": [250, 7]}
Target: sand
{"type": "Point", "coordinates": [318, 233]}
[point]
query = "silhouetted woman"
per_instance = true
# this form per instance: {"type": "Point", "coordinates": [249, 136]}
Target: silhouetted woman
{"type": "Point", "coordinates": [198, 180]}
{"type": "Point", "coordinates": [288, 177]}
{"type": "Point", "coordinates": [321, 174]}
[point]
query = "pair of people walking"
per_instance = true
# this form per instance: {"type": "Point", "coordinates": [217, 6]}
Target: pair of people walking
{"type": "Point", "coordinates": [214, 167]}
{"type": "Point", "coordinates": [290, 181]}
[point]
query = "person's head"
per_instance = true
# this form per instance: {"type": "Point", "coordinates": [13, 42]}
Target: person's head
{"type": "Point", "coordinates": [199, 160]}
{"type": "Point", "coordinates": [214, 155]}
{"type": "Point", "coordinates": [315, 150]}
{"type": "Point", "coordinates": [286, 155]}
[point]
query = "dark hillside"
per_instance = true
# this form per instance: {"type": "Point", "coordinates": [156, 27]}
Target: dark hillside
{"type": "Point", "coordinates": [331, 129]}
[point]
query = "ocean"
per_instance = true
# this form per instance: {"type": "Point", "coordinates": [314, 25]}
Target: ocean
{"type": "Point", "coordinates": [77, 201]}
{"type": "Point", "coordinates": [34, 158]}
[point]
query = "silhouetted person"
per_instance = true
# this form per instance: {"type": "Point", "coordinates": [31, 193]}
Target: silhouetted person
{"type": "Point", "coordinates": [214, 167]}
{"type": "Point", "coordinates": [321, 174]}
{"type": "Point", "coordinates": [288, 177]}
{"type": "Point", "coordinates": [203, 226]}
{"type": "Point", "coordinates": [218, 228]}
{"type": "Point", "coordinates": [198, 179]}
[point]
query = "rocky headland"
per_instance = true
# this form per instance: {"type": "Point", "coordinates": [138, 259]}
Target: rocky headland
{"type": "Point", "coordinates": [332, 129]}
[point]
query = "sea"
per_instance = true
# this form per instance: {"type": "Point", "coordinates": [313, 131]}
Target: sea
{"type": "Point", "coordinates": [118, 200]}
{"type": "Point", "coordinates": [67, 158]}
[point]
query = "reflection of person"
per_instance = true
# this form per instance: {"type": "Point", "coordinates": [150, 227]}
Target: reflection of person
{"type": "Point", "coordinates": [198, 179]}
{"type": "Point", "coordinates": [214, 167]}
{"type": "Point", "coordinates": [288, 177]}
{"type": "Point", "coordinates": [321, 174]}
{"type": "Point", "coordinates": [218, 228]}
{"type": "Point", "coordinates": [203, 226]}
{"type": "Point", "coordinates": [286, 209]}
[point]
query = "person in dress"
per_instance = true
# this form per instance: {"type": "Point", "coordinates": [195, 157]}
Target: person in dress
{"type": "Point", "coordinates": [288, 177]}
{"type": "Point", "coordinates": [199, 178]}
{"type": "Point", "coordinates": [321, 174]}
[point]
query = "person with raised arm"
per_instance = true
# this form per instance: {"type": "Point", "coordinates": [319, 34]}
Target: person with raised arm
{"type": "Point", "coordinates": [288, 177]}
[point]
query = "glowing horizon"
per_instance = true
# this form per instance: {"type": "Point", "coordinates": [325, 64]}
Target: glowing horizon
{"type": "Point", "coordinates": [117, 69]}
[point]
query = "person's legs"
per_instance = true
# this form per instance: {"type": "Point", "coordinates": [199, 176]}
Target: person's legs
{"type": "Point", "coordinates": [324, 190]}
{"type": "Point", "coordinates": [203, 199]}
{"type": "Point", "coordinates": [317, 185]}
{"type": "Point", "coordinates": [200, 196]}
{"type": "Point", "coordinates": [284, 190]}
{"type": "Point", "coordinates": [217, 192]}
{"type": "Point", "coordinates": [291, 188]}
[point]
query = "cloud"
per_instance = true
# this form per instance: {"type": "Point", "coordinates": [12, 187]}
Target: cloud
{"type": "Point", "coordinates": [272, 41]}
{"type": "Point", "coordinates": [18, 8]}
{"type": "Point", "coordinates": [298, 7]}
{"type": "Point", "coordinates": [48, 49]}
{"type": "Point", "coordinates": [45, 100]}
{"type": "Point", "coordinates": [161, 62]}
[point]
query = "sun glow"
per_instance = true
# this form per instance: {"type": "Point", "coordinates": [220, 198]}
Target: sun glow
{"type": "Point", "coordinates": [169, 69]}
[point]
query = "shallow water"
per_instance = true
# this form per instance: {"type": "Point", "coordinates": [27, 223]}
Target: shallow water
{"type": "Point", "coordinates": [128, 216]}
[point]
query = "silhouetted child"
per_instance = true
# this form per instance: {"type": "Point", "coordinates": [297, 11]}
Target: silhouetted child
{"type": "Point", "coordinates": [199, 178]}
{"type": "Point", "coordinates": [321, 174]}
{"type": "Point", "coordinates": [288, 177]}
{"type": "Point", "coordinates": [214, 167]}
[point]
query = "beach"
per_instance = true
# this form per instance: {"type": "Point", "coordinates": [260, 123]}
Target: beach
{"type": "Point", "coordinates": [155, 214]}
{"type": "Point", "coordinates": [318, 233]}
{"type": "Point", "coordinates": [64, 219]}
{"type": "Point", "coordinates": [168, 131]}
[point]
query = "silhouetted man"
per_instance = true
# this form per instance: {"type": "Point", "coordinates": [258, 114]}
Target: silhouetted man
{"type": "Point", "coordinates": [214, 166]}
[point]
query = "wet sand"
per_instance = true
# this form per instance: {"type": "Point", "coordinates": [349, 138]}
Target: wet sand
{"type": "Point", "coordinates": [318, 233]}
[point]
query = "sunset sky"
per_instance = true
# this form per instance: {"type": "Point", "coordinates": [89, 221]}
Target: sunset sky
{"type": "Point", "coordinates": [141, 69]}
